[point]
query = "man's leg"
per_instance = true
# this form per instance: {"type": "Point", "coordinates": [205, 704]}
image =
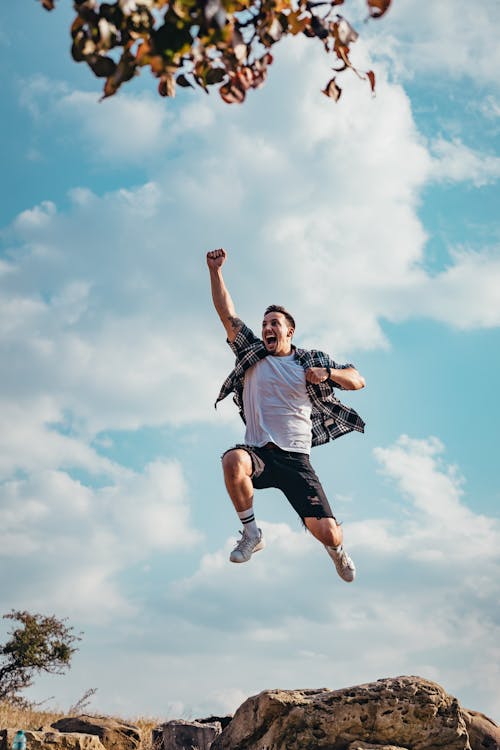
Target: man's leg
{"type": "Point", "coordinates": [329, 533]}
{"type": "Point", "coordinates": [301, 485]}
{"type": "Point", "coordinates": [325, 530]}
{"type": "Point", "coordinates": [238, 469]}
{"type": "Point", "coordinates": [324, 527]}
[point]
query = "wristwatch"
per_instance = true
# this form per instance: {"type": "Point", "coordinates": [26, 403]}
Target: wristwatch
{"type": "Point", "coordinates": [329, 371]}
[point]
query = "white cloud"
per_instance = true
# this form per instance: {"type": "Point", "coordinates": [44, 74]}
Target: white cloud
{"type": "Point", "coordinates": [228, 700]}
{"type": "Point", "coordinates": [439, 527]}
{"type": "Point", "coordinates": [38, 92]}
{"type": "Point", "coordinates": [83, 539]}
{"type": "Point", "coordinates": [36, 217]}
{"type": "Point", "coordinates": [284, 543]}
{"type": "Point", "coordinates": [129, 129]}
{"type": "Point", "coordinates": [151, 508]}
{"type": "Point", "coordinates": [452, 38]}
{"type": "Point", "coordinates": [33, 436]}
{"type": "Point", "coordinates": [103, 322]}
{"type": "Point", "coordinates": [490, 107]}
{"type": "Point", "coordinates": [465, 295]}
{"type": "Point", "coordinates": [455, 162]}
{"type": "Point", "coordinates": [121, 377]}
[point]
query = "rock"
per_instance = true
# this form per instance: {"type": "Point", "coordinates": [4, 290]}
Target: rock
{"type": "Point", "coordinates": [223, 720]}
{"type": "Point", "coordinates": [484, 734]}
{"type": "Point", "coordinates": [358, 745]}
{"type": "Point", "coordinates": [114, 734]}
{"type": "Point", "coordinates": [185, 735]}
{"type": "Point", "coordinates": [51, 740]}
{"type": "Point", "coordinates": [406, 712]}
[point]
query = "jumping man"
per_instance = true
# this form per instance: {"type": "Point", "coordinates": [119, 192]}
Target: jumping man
{"type": "Point", "coordinates": [285, 397]}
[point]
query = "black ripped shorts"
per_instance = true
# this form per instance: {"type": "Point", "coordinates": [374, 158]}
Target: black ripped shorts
{"type": "Point", "coordinates": [291, 473]}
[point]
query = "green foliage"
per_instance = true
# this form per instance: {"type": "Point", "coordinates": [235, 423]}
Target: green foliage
{"type": "Point", "coordinates": [39, 644]}
{"type": "Point", "coordinates": [205, 43]}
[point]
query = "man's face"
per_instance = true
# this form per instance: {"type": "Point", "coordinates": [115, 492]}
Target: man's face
{"type": "Point", "coordinates": [277, 334]}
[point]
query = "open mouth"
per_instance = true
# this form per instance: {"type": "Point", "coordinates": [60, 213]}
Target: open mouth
{"type": "Point", "coordinates": [270, 340]}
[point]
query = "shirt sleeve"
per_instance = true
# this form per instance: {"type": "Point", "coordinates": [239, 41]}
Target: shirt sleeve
{"type": "Point", "coordinates": [245, 338]}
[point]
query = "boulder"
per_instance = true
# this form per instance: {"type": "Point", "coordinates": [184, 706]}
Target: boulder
{"type": "Point", "coordinates": [185, 735]}
{"type": "Point", "coordinates": [51, 740]}
{"type": "Point", "coordinates": [484, 734]}
{"type": "Point", "coordinates": [223, 720]}
{"type": "Point", "coordinates": [114, 734]}
{"type": "Point", "coordinates": [406, 712]}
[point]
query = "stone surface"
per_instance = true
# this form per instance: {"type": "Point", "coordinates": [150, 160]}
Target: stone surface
{"type": "Point", "coordinates": [223, 720]}
{"type": "Point", "coordinates": [51, 740]}
{"type": "Point", "coordinates": [114, 734]}
{"type": "Point", "coordinates": [484, 734]}
{"type": "Point", "coordinates": [358, 745]}
{"type": "Point", "coordinates": [185, 735]}
{"type": "Point", "coordinates": [406, 712]}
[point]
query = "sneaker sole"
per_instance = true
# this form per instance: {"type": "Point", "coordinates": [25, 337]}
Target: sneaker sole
{"type": "Point", "coordinates": [340, 570]}
{"type": "Point", "coordinates": [257, 548]}
{"type": "Point", "coordinates": [340, 573]}
{"type": "Point", "coordinates": [347, 580]}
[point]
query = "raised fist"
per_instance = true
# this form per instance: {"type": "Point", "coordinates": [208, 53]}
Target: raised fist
{"type": "Point", "coordinates": [216, 258]}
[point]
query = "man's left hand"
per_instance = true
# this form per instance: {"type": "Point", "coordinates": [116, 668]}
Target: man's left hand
{"type": "Point", "coordinates": [316, 375]}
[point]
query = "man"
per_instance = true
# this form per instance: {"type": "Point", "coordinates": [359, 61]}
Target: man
{"type": "Point", "coordinates": [285, 397]}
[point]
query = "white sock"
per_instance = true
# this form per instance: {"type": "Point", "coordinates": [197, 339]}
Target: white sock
{"type": "Point", "coordinates": [334, 549]}
{"type": "Point", "coordinates": [247, 518]}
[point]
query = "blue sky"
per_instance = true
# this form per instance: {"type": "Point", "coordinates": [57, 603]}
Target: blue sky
{"type": "Point", "coordinates": [375, 220]}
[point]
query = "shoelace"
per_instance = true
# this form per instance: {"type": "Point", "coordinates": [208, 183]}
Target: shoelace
{"type": "Point", "coordinates": [246, 542]}
{"type": "Point", "coordinates": [345, 559]}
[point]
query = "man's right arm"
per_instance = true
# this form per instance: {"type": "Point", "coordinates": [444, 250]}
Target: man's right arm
{"type": "Point", "coordinates": [220, 295]}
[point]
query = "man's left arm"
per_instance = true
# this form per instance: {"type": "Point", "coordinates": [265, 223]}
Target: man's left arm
{"type": "Point", "coordinates": [347, 378]}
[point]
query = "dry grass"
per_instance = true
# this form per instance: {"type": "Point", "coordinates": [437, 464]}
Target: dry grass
{"type": "Point", "coordinates": [14, 717]}
{"type": "Point", "coordinates": [146, 726]}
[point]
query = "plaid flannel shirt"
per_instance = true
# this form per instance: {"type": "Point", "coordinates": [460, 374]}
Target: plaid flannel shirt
{"type": "Point", "coordinates": [330, 419]}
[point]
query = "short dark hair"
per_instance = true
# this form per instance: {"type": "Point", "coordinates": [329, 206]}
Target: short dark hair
{"type": "Point", "coordinates": [283, 311]}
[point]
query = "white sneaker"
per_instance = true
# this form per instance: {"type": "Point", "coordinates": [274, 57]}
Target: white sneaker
{"type": "Point", "coordinates": [246, 546]}
{"type": "Point", "coordinates": [345, 566]}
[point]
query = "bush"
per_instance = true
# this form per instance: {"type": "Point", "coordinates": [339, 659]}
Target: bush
{"type": "Point", "coordinates": [39, 644]}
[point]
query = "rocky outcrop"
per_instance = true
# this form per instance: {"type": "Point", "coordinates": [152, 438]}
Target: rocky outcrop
{"type": "Point", "coordinates": [402, 713]}
{"type": "Point", "coordinates": [114, 734]}
{"type": "Point", "coordinates": [223, 720]}
{"type": "Point", "coordinates": [184, 735]}
{"type": "Point", "coordinates": [407, 713]}
{"type": "Point", "coordinates": [51, 740]}
{"type": "Point", "coordinates": [484, 734]}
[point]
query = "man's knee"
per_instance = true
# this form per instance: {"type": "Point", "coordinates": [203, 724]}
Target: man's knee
{"type": "Point", "coordinates": [326, 530]}
{"type": "Point", "coordinates": [236, 462]}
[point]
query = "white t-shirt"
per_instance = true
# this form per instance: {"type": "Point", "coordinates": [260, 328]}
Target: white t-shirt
{"type": "Point", "coordinates": [277, 407]}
